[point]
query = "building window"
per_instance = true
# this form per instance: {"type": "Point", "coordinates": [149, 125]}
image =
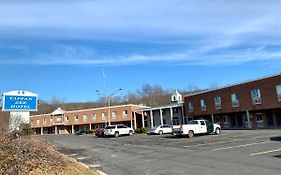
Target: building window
{"type": "Point", "coordinates": [44, 121]}
{"type": "Point", "coordinates": [203, 105]}
{"type": "Point", "coordinates": [51, 120]}
{"type": "Point", "coordinates": [94, 116]}
{"type": "Point", "coordinates": [85, 117]}
{"type": "Point", "coordinates": [175, 110]}
{"type": "Point", "coordinates": [66, 119]}
{"type": "Point", "coordinates": [125, 114]}
{"type": "Point", "coordinates": [190, 106]}
{"type": "Point", "coordinates": [218, 102]}
{"type": "Point", "coordinates": [103, 116]}
{"type": "Point", "coordinates": [59, 119]}
{"type": "Point", "coordinates": [114, 113]}
{"type": "Point", "coordinates": [256, 96]}
{"type": "Point", "coordinates": [76, 118]}
{"type": "Point", "coordinates": [235, 100]}
{"type": "Point", "coordinates": [278, 91]}
{"type": "Point", "coordinates": [38, 122]}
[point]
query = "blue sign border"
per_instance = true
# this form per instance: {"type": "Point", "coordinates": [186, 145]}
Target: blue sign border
{"type": "Point", "coordinates": [19, 103]}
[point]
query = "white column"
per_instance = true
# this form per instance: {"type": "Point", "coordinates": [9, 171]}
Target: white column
{"type": "Point", "coordinates": [131, 122]}
{"type": "Point", "coordinates": [182, 115]}
{"type": "Point", "coordinates": [248, 119]}
{"type": "Point", "coordinates": [72, 129]}
{"type": "Point", "coordinates": [171, 113]}
{"type": "Point", "coordinates": [151, 118]}
{"type": "Point", "coordinates": [56, 129]}
{"type": "Point", "coordinates": [135, 120]}
{"type": "Point", "coordinates": [90, 126]}
{"type": "Point", "coordinates": [161, 117]}
{"type": "Point", "coordinates": [212, 116]}
{"type": "Point", "coordinates": [142, 119]}
{"type": "Point", "coordinates": [41, 130]}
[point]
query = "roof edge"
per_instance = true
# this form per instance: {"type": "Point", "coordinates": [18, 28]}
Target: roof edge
{"type": "Point", "coordinates": [235, 84]}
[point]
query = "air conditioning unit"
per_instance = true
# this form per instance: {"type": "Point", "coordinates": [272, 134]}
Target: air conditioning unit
{"type": "Point", "coordinates": [203, 108]}
{"type": "Point", "coordinates": [235, 103]}
{"type": "Point", "coordinates": [218, 106]}
{"type": "Point", "coordinates": [257, 101]}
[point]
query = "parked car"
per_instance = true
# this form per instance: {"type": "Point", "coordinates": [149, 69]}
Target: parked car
{"type": "Point", "coordinates": [117, 130]}
{"type": "Point", "coordinates": [81, 131]}
{"type": "Point", "coordinates": [100, 132]}
{"type": "Point", "coordinates": [161, 129]}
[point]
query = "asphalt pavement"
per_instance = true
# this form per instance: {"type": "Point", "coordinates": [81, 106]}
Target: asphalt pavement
{"type": "Point", "coordinates": [245, 152]}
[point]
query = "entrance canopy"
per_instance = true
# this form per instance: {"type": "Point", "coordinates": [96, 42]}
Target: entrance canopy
{"type": "Point", "coordinates": [58, 111]}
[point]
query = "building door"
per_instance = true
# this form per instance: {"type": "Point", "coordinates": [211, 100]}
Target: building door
{"type": "Point", "coordinates": [259, 120]}
{"type": "Point", "coordinates": [225, 121]}
{"type": "Point", "coordinates": [240, 120]}
{"type": "Point", "coordinates": [278, 119]}
{"type": "Point", "coordinates": [269, 118]}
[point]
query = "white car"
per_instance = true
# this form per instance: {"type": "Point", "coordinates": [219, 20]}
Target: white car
{"type": "Point", "coordinates": [117, 130]}
{"type": "Point", "coordinates": [161, 129]}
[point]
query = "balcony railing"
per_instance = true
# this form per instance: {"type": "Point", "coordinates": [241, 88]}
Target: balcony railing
{"type": "Point", "coordinates": [235, 103]}
{"type": "Point", "coordinates": [57, 123]}
{"type": "Point", "coordinates": [256, 100]}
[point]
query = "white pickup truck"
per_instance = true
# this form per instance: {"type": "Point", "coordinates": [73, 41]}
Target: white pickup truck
{"type": "Point", "coordinates": [197, 127]}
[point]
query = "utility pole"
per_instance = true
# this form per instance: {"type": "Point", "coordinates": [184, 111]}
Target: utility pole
{"type": "Point", "coordinates": [108, 99]}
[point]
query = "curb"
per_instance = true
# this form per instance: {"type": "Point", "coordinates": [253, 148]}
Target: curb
{"type": "Point", "coordinates": [100, 172]}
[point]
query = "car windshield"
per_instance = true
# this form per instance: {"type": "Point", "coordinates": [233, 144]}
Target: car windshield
{"type": "Point", "coordinates": [193, 122]}
{"type": "Point", "coordinates": [110, 127]}
{"type": "Point", "coordinates": [155, 126]}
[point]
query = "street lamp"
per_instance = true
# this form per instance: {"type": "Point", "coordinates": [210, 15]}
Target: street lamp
{"type": "Point", "coordinates": [108, 100]}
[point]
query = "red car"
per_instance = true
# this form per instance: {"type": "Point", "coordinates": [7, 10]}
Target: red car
{"type": "Point", "coordinates": [100, 132]}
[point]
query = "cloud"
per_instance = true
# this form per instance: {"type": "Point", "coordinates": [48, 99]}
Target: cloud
{"type": "Point", "coordinates": [204, 32]}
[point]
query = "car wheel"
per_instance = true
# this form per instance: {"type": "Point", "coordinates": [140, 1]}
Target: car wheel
{"type": "Point", "coordinates": [116, 134]}
{"type": "Point", "coordinates": [130, 133]}
{"type": "Point", "coordinates": [217, 131]}
{"type": "Point", "coordinates": [160, 132]}
{"type": "Point", "coordinates": [190, 134]}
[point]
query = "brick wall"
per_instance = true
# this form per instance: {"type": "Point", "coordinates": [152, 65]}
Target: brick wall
{"type": "Point", "coordinates": [89, 113]}
{"type": "Point", "coordinates": [267, 88]}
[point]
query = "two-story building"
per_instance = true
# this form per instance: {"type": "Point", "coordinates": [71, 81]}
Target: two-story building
{"type": "Point", "coordinates": [64, 122]}
{"type": "Point", "coordinates": [250, 104]}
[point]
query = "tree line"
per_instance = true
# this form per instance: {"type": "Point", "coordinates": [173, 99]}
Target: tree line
{"type": "Point", "coordinates": [149, 95]}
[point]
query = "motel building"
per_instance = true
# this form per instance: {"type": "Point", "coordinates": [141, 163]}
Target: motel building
{"type": "Point", "coordinates": [68, 122]}
{"type": "Point", "coordinates": [251, 104]}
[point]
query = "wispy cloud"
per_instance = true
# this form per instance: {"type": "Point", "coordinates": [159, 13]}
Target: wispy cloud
{"type": "Point", "coordinates": [206, 32]}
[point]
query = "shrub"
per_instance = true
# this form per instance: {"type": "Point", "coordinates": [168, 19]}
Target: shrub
{"type": "Point", "coordinates": [141, 130]}
{"type": "Point", "coordinates": [92, 131]}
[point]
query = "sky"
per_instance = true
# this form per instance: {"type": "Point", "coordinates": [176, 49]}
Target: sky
{"type": "Point", "coordinates": [71, 48]}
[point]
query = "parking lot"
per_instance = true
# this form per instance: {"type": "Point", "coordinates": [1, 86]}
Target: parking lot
{"type": "Point", "coordinates": [232, 152]}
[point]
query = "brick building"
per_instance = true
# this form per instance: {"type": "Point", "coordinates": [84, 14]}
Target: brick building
{"type": "Point", "coordinates": [251, 104]}
{"type": "Point", "coordinates": [64, 122]}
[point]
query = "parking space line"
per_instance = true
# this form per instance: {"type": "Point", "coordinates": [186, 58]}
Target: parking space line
{"type": "Point", "coordinates": [239, 146]}
{"type": "Point", "coordinates": [265, 152]}
{"type": "Point", "coordinates": [141, 146]}
{"type": "Point", "coordinates": [202, 144]}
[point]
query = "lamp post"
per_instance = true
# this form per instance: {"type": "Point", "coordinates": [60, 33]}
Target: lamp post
{"type": "Point", "coordinates": [108, 100]}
